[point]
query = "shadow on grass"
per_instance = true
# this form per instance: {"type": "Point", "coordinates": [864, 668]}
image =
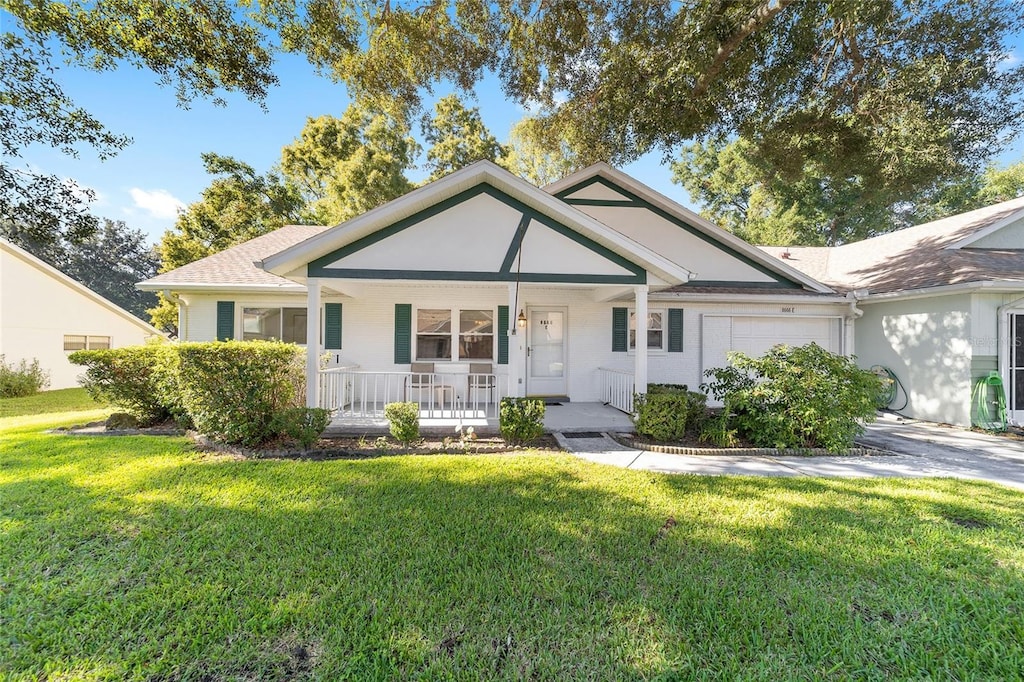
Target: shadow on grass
{"type": "Point", "coordinates": [151, 562]}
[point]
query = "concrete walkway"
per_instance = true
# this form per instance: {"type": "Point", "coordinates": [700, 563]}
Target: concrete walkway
{"type": "Point", "coordinates": [920, 450]}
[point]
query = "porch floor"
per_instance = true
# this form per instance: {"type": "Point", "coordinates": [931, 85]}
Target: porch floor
{"type": "Point", "coordinates": [564, 418]}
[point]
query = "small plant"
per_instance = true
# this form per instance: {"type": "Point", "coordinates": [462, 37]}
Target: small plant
{"type": "Point", "coordinates": [404, 420]}
{"type": "Point", "coordinates": [668, 411]}
{"type": "Point", "coordinates": [381, 443]}
{"type": "Point", "coordinates": [24, 379]}
{"type": "Point", "coordinates": [718, 431]}
{"type": "Point", "coordinates": [521, 419]}
{"type": "Point", "coordinates": [796, 397]}
{"type": "Point", "coordinates": [304, 424]}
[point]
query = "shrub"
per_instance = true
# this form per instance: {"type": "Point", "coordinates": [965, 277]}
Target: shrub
{"type": "Point", "coordinates": [796, 397]}
{"type": "Point", "coordinates": [304, 424]}
{"type": "Point", "coordinates": [521, 419]}
{"type": "Point", "coordinates": [667, 412]}
{"type": "Point", "coordinates": [232, 390]}
{"type": "Point", "coordinates": [141, 380]}
{"type": "Point", "coordinates": [404, 419]}
{"type": "Point", "coordinates": [27, 378]}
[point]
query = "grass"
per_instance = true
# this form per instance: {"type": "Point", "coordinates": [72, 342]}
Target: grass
{"type": "Point", "coordinates": [138, 558]}
{"type": "Point", "coordinates": [48, 402]}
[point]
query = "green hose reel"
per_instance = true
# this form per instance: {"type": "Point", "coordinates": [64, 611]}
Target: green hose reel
{"type": "Point", "coordinates": [989, 403]}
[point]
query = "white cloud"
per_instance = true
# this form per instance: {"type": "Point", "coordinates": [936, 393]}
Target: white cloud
{"type": "Point", "coordinates": [158, 202]}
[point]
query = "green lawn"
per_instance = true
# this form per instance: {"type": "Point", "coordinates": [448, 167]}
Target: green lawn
{"type": "Point", "coordinates": [137, 558]}
{"type": "Point", "coordinates": [48, 402]}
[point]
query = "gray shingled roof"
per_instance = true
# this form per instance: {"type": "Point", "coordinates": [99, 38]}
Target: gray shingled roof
{"type": "Point", "coordinates": [234, 266]}
{"type": "Point", "coordinates": [914, 258]}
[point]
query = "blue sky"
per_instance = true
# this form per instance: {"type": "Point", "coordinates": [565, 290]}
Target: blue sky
{"type": "Point", "coordinates": [161, 170]}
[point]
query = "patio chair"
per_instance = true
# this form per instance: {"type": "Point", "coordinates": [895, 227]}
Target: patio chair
{"type": "Point", "coordinates": [481, 378]}
{"type": "Point", "coordinates": [422, 378]}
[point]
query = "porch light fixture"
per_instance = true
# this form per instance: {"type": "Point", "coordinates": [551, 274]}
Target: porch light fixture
{"type": "Point", "coordinates": [521, 320]}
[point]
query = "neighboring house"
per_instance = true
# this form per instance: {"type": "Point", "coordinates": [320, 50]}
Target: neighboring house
{"type": "Point", "coordinates": [537, 291]}
{"type": "Point", "coordinates": [943, 305]}
{"type": "Point", "coordinates": [45, 315]}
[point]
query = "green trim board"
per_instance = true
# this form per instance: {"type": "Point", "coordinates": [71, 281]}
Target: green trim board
{"type": "Point", "coordinates": [320, 267]}
{"type": "Point", "coordinates": [735, 284]}
{"type": "Point", "coordinates": [640, 202]}
{"type": "Point", "coordinates": [629, 203]}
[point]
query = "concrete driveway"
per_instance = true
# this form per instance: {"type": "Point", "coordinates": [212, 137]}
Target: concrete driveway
{"type": "Point", "coordinates": [921, 449]}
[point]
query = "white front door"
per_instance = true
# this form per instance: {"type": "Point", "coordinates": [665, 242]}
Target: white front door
{"type": "Point", "coordinates": [545, 352]}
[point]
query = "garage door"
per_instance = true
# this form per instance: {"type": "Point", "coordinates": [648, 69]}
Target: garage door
{"type": "Point", "coordinates": [755, 335]}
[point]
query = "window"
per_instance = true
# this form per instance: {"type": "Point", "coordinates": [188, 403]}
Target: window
{"type": "Point", "coordinates": [436, 337]}
{"type": "Point", "coordinates": [655, 330]}
{"type": "Point", "coordinates": [83, 342]}
{"type": "Point", "coordinates": [283, 324]}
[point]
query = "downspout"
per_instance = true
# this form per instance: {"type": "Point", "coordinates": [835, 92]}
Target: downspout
{"type": "Point", "coordinates": [853, 297]}
{"type": "Point", "coordinates": [182, 312]}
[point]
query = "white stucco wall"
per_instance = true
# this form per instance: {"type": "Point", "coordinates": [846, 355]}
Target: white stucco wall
{"type": "Point", "coordinates": [368, 326]}
{"type": "Point", "coordinates": [928, 344]}
{"type": "Point", "coordinates": [37, 310]}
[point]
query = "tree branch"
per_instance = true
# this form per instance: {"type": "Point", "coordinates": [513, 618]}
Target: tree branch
{"type": "Point", "coordinates": [758, 19]}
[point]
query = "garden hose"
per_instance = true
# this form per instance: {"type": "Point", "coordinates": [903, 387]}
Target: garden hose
{"type": "Point", "coordinates": [891, 388]}
{"type": "Point", "coordinates": [983, 398]}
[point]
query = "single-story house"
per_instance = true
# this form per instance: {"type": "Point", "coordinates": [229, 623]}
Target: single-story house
{"type": "Point", "coordinates": [943, 306]}
{"type": "Point", "coordinates": [45, 315]}
{"type": "Point", "coordinates": [480, 285]}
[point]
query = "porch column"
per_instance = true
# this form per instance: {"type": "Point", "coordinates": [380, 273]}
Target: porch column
{"type": "Point", "coordinates": [640, 370]}
{"type": "Point", "coordinates": [515, 351]}
{"type": "Point", "coordinates": [313, 287]}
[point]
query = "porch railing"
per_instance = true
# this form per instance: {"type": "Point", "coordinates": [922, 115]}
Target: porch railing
{"type": "Point", "coordinates": [617, 388]}
{"type": "Point", "coordinates": [357, 393]}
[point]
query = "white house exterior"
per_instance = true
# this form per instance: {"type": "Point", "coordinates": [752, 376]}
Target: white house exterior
{"type": "Point", "coordinates": [45, 315]}
{"type": "Point", "coordinates": [441, 276]}
{"type": "Point", "coordinates": [943, 306]}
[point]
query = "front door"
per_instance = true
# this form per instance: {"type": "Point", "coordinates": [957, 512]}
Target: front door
{"type": "Point", "coordinates": [1015, 385]}
{"type": "Point", "coordinates": [545, 352]}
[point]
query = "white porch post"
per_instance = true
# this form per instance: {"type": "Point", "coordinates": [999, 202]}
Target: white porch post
{"type": "Point", "coordinates": [313, 287]}
{"type": "Point", "coordinates": [640, 370]}
{"type": "Point", "coordinates": [515, 353]}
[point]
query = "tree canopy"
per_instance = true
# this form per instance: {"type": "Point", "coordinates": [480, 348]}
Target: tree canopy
{"type": "Point", "coordinates": [458, 137]}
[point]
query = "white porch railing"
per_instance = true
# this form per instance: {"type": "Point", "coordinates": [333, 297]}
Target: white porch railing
{"type": "Point", "coordinates": [357, 393]}
{"type": "Point", "coordinates": [617, 388]}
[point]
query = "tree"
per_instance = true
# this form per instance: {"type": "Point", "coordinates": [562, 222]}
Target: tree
{"type": "Point", "coordinates": [536, 154]}
{"type": "Point", "coordinates": [202, 47]}
{"type": "Point", "coordinates": [238, 205]}
{"type": "Point", "coordinates": [349, 165]}
{"type": "Point", "coordinates": [458, 137]}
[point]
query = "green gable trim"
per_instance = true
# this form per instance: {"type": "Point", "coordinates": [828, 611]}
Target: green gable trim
{"type": "Point", "coordinates": [502, 334]}
{"type": "Point", "coordinates": [467, 276]}
{"type": "Point", "coordinates": [320, 266]}
{"type": "Point", "coordinates": [332, 326]}
{"type": "Point", "coordinates": [629, 203]}
{"type": "Point", "coordinates": [225, 320]}
{"type": "Point", "coordinates": [517, 242]}
{"type": "Point", "coordinates": [403, 333]}
{"type": "Point", "coordinates": [731, 284]}
{"type": "Point", "coordinates": [620, 330]}
{"type": "Point", "coordinates": [640, 202]}
{"type": "Point", "coordinates": [675, 330]}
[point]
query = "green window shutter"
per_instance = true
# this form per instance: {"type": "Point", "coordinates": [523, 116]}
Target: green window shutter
{"type": "Point", "coordinates": [675, 330]}
{"type": "Point", "coordinates": [225, 320]}
{"type": "Point", "coordinates": [620, 330]}
{"type": "Point", "coordinates": [403, 333]}
{"type": "Point", "coordinates": [502, 334]}
{"type": "Point", "coordinates": [332, 326]}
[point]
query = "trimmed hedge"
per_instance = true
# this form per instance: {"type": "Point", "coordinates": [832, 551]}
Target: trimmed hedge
{"type": "Point", "coordinates": [232, 390]}
{"type": "Point", "coordinates": [141, 380]}
{"type": "Point", "coordinates": [667, 412]}
{"type": "Point", "coordinates": [404, 421]}
{"type": "Point", "coordinates": [521, 419]}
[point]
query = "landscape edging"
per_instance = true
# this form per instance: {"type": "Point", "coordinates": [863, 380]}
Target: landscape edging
{"type": "Point", "coordinates": [630, 442]}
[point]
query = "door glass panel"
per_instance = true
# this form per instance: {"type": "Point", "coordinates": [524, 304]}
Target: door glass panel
{"type": "Point", "coordinates": [547, 335]}
{"type": "Point", "coordinates": [1016, 389]}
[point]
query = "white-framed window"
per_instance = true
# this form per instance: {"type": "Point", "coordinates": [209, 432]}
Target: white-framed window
{"type": "Point", "coordinates": [282, 324]}
{"type": "Point", "coordinates": [438, 339]}
{"type": "Point", "coordinates": [86, 342]}
{"type": "Point", "coordinates": [656, 329]}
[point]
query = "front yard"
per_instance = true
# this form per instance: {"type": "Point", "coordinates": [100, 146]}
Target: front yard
{"type": "Point", "coordinates": [136, 557]}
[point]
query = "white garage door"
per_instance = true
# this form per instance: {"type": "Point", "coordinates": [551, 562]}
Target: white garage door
{"type": "Point", "coordinates": [755, 335]}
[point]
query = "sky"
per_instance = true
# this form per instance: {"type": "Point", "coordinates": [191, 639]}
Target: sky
{"type": "Point", "coordinates": [161, 171]}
